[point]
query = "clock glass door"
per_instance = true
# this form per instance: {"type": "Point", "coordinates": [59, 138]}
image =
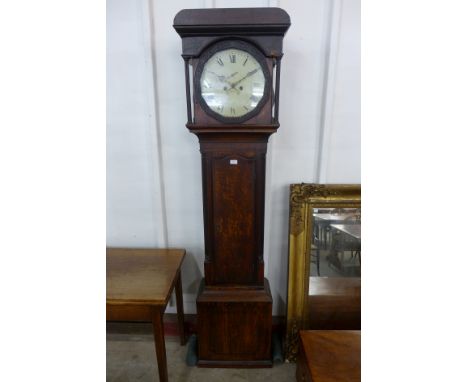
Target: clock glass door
{"type": "Point", "coordinates": [232, 81]}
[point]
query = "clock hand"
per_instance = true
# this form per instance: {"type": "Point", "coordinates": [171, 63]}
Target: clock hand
{"type": "Point", "coordinates": [237, 90]}
{"type": "Point", "coordinates": [221, 78]}
{"type": "Point", "coordinates": [230, 87]}
{"type": "Point", "coordinates": [251, 73]}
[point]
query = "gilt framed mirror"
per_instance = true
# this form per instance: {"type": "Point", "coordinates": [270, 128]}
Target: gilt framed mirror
{"type": "Point", "coordinates": [324, 259]}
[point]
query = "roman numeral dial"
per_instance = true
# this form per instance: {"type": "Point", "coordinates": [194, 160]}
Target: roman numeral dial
{"type": "Point", "coordinates": [232, 83]}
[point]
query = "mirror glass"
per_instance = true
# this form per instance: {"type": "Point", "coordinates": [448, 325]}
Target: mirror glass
{"type": "Point", "coordinates": [336, 242]}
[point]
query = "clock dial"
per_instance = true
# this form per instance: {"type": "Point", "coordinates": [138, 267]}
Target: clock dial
{"type": "Point", "coordinates": [232, 83]}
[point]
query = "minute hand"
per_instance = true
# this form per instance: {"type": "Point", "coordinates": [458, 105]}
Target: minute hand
{"type": "Point", "coordinates": [234, 84]}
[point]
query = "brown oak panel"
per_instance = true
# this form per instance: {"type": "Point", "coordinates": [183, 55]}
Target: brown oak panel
{"type": "Point", "coordinates": [233, 214]}
{"type": "Point", "coordinates": [141, 276]}
{"type": "Point", "coordinates": [329, 356]}
{"type": "Point", "coordinates": [334, 303]}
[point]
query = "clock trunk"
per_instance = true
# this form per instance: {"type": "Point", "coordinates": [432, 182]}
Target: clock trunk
{"type": "Point", "coordinates": [233, 188]}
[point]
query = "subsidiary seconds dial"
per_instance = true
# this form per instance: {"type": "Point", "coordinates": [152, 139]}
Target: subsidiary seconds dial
{"type": "Point", "coordinates": [232, 83]}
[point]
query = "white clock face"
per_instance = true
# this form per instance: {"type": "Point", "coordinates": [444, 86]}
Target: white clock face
{"type": "Point", "coordinates": [232, 83]}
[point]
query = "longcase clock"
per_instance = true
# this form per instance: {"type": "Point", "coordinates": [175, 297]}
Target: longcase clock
{"type": "Point", "coordinates": [232, 73]}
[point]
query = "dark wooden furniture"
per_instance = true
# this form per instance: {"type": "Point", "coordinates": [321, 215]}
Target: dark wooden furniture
{"type": "Point", "coordinates": [334, 303]}
{"type": "Point", "coordinates": [139, 285]}
{"type": "Point", "coordinates": [234, 304]}
{"type": "Point", "coordinates": [329, 356]}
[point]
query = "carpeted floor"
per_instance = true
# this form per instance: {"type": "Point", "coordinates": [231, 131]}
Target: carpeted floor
{"type": "Point", "coordinates": [132, 357]}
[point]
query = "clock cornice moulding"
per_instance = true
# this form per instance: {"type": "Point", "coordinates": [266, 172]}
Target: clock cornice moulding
{"type": "Point", "coordinates": [189, 22]}
{"type": "Point", "coordinates": [200, 28]}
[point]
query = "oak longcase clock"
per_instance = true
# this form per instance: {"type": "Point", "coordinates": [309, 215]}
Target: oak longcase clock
{"type": "Point", "coordinates": [232, 74]}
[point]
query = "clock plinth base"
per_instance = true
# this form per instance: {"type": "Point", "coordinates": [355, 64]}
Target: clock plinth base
{"type": "Point", "coordinates": [234, 327]}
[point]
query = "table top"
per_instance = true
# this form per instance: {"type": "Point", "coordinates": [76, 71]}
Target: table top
{"type": "Point", "coordinates": [334, 217]}
{"type": "Point", "coordinates": [141, 276]}
{"type": "Point", "coordinates": [353, 230]}
{"type": "Point", "coordinates": [335, 286]}
{"type": "Point", "coordinates": [333, 355]}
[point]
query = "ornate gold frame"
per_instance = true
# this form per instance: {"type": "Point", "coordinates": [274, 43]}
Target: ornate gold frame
{"type": "Point", "coordinates": [303, 199]}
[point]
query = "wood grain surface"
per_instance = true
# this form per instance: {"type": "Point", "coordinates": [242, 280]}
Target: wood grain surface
{"type": "Point", "coordinates": [329, 356]}
{"type": "Point", "coordinates": [141, 276]}
{"type": "Point", "coordinates": [334, 303]}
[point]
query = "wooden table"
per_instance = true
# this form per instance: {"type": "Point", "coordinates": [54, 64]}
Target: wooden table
{"type": "Point", "coordinates": [353, 230]}
{"type": "Point", "coordinates": [329, 356]}
{"type": "Point", "coordinates": [345, 237]}
{"type": "Point", "coordinates": [334, 217]}
{"type": "Point", "coordinates": [139, 285]}
{"type": "Point", "coordinates": [324, 220]}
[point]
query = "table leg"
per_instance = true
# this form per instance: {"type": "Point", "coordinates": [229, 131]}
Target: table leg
{"type": "Point", "coordinates": [180, 309]}
{"type": "Point", "coordinates": [318, 261]}
{"type": "Point", "coordinates": [158, 331]}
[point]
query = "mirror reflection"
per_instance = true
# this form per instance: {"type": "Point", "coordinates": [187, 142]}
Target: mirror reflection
{"type": "Point", "coordinates": [336, 242]}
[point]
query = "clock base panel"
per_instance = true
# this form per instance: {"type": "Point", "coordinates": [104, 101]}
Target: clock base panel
{"type": "Point", "coordinates": [234, 327]}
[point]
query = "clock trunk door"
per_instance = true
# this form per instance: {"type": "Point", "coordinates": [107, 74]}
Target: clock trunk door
{"type": "Point", "coordinates": [234, 184]}
{"type": "Point", "coordinates": [234, 216]}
